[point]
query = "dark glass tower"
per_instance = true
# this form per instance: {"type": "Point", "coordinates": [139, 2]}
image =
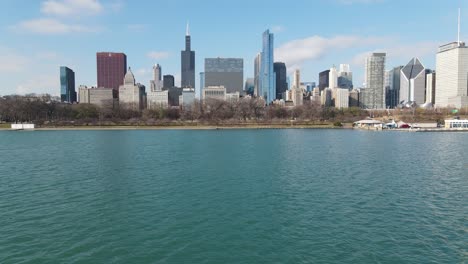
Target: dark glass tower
{"type": "Point", "coordinates": [168, 81]}
{"type": "Point", "coordinates": [324, 79]}
{"type": "Point", "coordinates": [281, 79]}
{"type": "Point", "coordinates": [67, 85]}
{"type": "Point", "coordinates": [188, 63]}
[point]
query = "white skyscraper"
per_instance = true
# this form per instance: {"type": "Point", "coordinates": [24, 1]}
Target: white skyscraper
{"type": "Point", "coordinates": [297, 79]}
{"type": "Point", "coordinates": [333, 78]}
{"type": "Point", "coordinates": [452, 74]}
{"type": "Point", "coordinates": [341, 97]}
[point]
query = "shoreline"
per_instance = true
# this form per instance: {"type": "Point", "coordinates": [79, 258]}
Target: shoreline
{"type": "Point", "coordinates": [181, 127]}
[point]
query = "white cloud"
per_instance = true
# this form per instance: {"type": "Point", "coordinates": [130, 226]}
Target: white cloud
{"type": "Point", "coordinates": [158, 55]}
{"type": "Point", "coordinates": [40, 84]}
{"type": "Point", "coordinates": [296, 52]}
{"type": "Point", "coordinates": [50, 26]}
{"type": "Point", "coordinates": [71, 7]}
{"type": "Point", "coordinates": [401, 52]}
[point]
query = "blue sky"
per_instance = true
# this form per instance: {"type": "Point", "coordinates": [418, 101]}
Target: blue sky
{"type": "Point", "coordinates": [38, 36]}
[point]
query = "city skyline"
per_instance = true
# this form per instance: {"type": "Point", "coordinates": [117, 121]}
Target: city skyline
{"type": "Point", "coordinates": [43, 40]}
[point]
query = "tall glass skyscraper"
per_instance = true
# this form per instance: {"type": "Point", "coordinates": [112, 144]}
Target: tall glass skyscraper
{"type": "Point", "coordinates": [267, 74]}
{"type": "Point", "coordinates": [67, 85]}
{"type": "Point", "coordinates": [188, 63]}
{"type": "Point", "coordinates": [281, 79]}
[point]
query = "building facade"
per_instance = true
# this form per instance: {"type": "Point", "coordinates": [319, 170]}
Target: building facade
{"type": "Point", "coordinates": [333, 75]}
{"type": "Point", "coordinates": [341, 98]}
{"type": "Point", "coordinates": [430, 87]}
{"type": "Point", "coordinates": [452, 76]}
{"type": "Point", "coordinates": [102, 97]}
{"type": "Point", "coordinates": [281, 79]}
{"type": "Point", "coordinates": [111, 69]}
{"type": "Point", "coordinates": [188, 63]}
{"type": "Point", "coordinates": [168, 81]}
{"type": "Point", "coordinates": [132, 95]}
{"type": "Point", "coordinates": [249, 87]}
{"type": "Point", "coordinates": [392, 87]}
{"type": "Point", "coordinates": [257, 65]}
{"type": "Point", "coordinates": [187, 97]}
{"type": "Point", "coordinates": [214, 93]}
{"type": "Point", "coordinates": [267, 74]}
{"type": "Point", "coordinates": [345, 77]}
{"type": "Point", "coordinates": [227, 72]}
{"type": "Point", "coordinates": [354, 98]}
{"type": "Point", "coordinates": [67, 85]}
{"type": "Point", "coordinates": [374, 91]}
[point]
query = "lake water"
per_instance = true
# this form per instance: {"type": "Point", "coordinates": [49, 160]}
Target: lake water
{"type": "Point", "coordinates": [240, 196]}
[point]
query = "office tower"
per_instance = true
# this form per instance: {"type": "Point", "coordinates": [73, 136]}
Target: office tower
{"type": "Point", "coordinates": [373, 93]}
{"type": "Point", "coordinates": [281, 79]}
{"type": "Point", "coordinates": [326, 97]}
{"type": "Point", "coordinates": [214, 93]}
{"type": "Point", "coordinates": [413, 82]}
{"type": "Point", "coordinates": [227, 72]}
{"type": "Point", "coordinates": [187, 97]}
{"type": "Point", "coordinates": [333, 82]}
{"type": "Point", "coordinates": [297, 79]}
{"type": "Point", "coordinates": [157, 72]}
{"type": "Point", "coordinates": [354, 98]}
{"type": "Point", "coordinates": [341, 98]}
{"type": "Point", "coordinates": [202, 85]}
{"type": "Point", "coordinates": [168, 81]}
{"type": "Point", "coordinates": [132, 95]}
{"type": "Point", "coordinates": [392, 87]}
{"type": "Point", "coordinates": [249, 87]}
{"type": "Point", "coordinates": [257, 64]}
{"type": "Point", "coordinates": [345, 77]}
{"type": "Point", "coordinates": [67, 85]}
{"type": "Point", "coordinates": [101, 97]}
{"type": "Point", "coordinates": [430, 87]}
{"type": "Point", "coordinates": [188, 63]}
{"type": "Point", "coordinates": [324, 79]}
{"type": "Point", "coordinates": [156, 83]}
{"type": "Point", "coordinates": [111, 69]}
{"type": "Point", "coordinates": [267, 74]}
{"type": "Point", "coordinates": [452, 76]}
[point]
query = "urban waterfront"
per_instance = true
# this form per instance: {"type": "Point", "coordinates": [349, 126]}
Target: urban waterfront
{"type": "Point", "coordinates": [233, 196]}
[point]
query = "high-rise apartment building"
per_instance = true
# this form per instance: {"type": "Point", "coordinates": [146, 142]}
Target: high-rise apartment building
{"type": "Point", "coordinates": [111, 69]}
{"type": "Point", "coordinates": [188, 63]}
{"type": "Point", "coordinates": [281, 79]}
{"type": "Point", "coordinates": [227, 72]}
{"type": "Point", "coordinates": [67, 85]}
{"type": "Point", "coordinates": [374, 91]}
{"type": "Point", "coordinates": [267, 74]}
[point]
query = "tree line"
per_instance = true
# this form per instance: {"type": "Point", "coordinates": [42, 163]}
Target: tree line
{"type": "Point", "coordinates": [44, 111]}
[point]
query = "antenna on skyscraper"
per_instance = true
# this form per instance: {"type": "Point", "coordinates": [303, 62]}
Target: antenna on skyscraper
{"type": "Point", "coordinates": [187, 33]}
{"type": "Point", "coordinates": [459, 21]}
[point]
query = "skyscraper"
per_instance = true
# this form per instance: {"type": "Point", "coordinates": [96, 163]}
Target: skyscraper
{"type": "Point", "coordinates": [324, 79]}
{"type": "Point", "coordinates": [67, 85]}
{"type": "Point", "coordinates": [345, 77]}
{"type": "Point", "coordinates": [188, 63]}
{"type": "Point", "coordinates": [452, 76]}
{"type": "Point", "coordinates": [430, 87]}
{"type": "Point", "coordinates": [413, 82]}
{"type": "Point", "coordinates": [267, 74]}
{"type": "Point", "coordinates": [202, 85]}
{"type": "Point", "coordinates": [111, 69]}
{"type": "Point", "coordinates": [392, 87]}
{"type": "Point", "coordinates": [333, 82]}
{"type": "Point", "coordinates": [257, 65]}
{"type": "Point", "coordinates": [281, 79]}
{"type": "Point", "coordinates": [227, 72]}
{"type": "Point", "coordinates": [373, 93]}
{"type": "Point", "coordinates": [156, 84]}
{"type": "Point", "coordinates": [168, 81]}
{"type": "Point", "coordinates": [249, 86]}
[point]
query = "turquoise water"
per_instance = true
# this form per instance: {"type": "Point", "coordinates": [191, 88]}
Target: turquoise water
{"type": "Point", "coordinates": [241, 196]}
